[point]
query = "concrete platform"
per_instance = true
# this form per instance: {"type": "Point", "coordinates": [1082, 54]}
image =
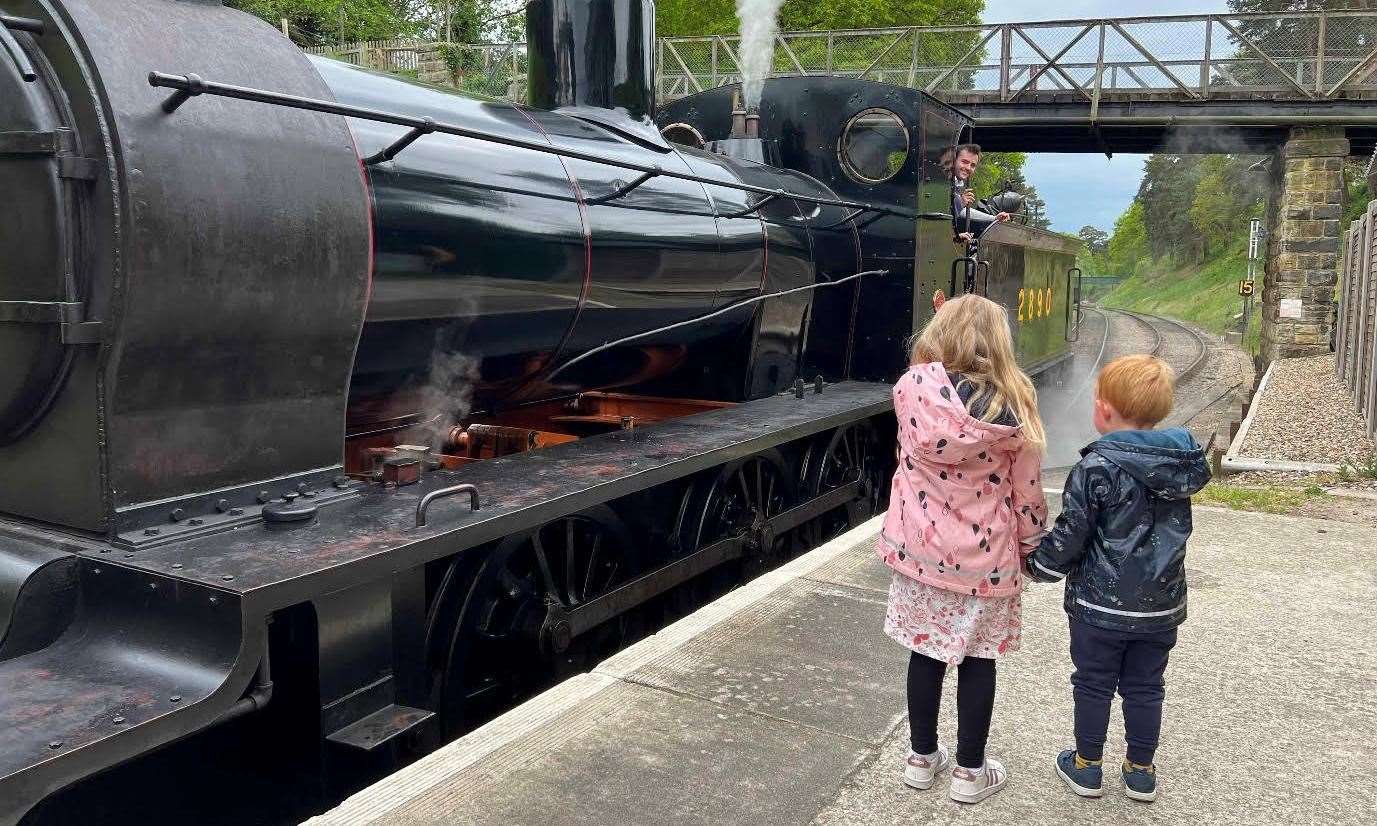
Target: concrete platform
{"type": "Point", "coordinates": [783, 702]}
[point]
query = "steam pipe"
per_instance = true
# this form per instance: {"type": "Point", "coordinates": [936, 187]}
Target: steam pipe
{"type": "Point", "coordinates": [696, 319]}
{"type": "Point", "coordinates": [259, 695]}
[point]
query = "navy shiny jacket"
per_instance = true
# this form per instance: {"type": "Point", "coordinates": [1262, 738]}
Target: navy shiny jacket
{"type": "Point", "coordinates": [1120, 540]}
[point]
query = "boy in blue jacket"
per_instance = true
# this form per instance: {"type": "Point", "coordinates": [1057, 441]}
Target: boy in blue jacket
{"type": "Point", "coordinates": [1120, 542]}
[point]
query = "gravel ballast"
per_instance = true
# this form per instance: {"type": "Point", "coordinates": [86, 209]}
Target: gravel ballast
{"type": "Point", "coordinates": [1306, 415]}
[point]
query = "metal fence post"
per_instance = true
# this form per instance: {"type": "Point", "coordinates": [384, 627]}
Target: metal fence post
{"type": "Point", "coordinates": [1099, 77]}
{"type": "Point", "coordinates": [1319, 54]}
{"type": "Point", "coordinates": [829, 52]}
{"type": "Point", "coordinates": [714, 63]}
{"type": "Point", "coordinates": [1005, 56]}
{"type": "Point", "coordinates": [1205, 66]}
{"type": "Point", "coordinates": [913, 65]}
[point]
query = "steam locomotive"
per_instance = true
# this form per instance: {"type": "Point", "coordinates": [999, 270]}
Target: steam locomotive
{"type": "Point", "coordinates": [339, 412]}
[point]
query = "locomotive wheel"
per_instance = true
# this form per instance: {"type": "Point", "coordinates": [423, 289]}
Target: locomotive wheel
{"type": "Point", "coordinates": [852, 453]}
{"type": "Point", "coordinates": [492, 652]}
{"type": "Point", "coordinates": [737, 500]}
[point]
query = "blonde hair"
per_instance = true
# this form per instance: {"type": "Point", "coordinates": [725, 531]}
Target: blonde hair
{"type": "Point", "coordinates": [970, 335]}
{"type": "Point", "coordinates": [1139, 387]}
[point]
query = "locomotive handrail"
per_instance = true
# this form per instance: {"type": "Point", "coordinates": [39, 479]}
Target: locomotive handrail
{"type": "Point", "coordinates": [394, 148]}
{"type": "Point", "coordinates": [622, 190]}
{"type": "Point", "coordinates": [742, 213]}
{"type": "Point", "coordinates": [424, 505]}
{"type": "Point", "coordinates": [22, 24]}
{"type": "Point", "coordinates": [190, 85]}
{"type": "Point", "coordinates": [696, 319]}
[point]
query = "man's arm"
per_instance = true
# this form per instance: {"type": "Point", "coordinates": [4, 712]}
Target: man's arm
{"type": "Point", "coordinates": [1062, 548]}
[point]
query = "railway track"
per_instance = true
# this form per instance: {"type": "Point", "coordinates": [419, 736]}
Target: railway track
{"type": "Point", "coordinates": [1185, 349]}
{"type": "Point", "coordinates": [1178, 344]}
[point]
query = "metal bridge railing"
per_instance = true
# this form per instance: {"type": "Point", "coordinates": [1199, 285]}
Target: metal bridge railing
{"type": "Point", "coordinates": [1287, 56]}
{"type": "Point", "coordinates": [1305, 56]}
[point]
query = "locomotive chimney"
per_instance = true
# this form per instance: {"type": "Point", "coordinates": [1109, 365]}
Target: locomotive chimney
{"type": "Point", "coordinates": [738, 117]}
{"type": "Point", "coordinates": [590, 58]}
{"type": "Point", "coordinates": [744, 141]}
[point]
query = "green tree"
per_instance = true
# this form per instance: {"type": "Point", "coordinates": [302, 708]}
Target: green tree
{"type": "Point", "coordinates": [999, 171]}
{"type": "Point", "coordinates": [1036, 209]}
{"type": "Point", "coordinates": [1128, 246]}
{"type": "Point", "coordinates": [700, 17]}
{"type": "Point", "coordinates": [1209, 212]}
{"type": "Point", "coordinates": [1166, 194]}
{"type": "Point", "coordinates": [333, 21]}
{"type": "Point", "coordinates": [1357, 194]}
{"type": "Point", "coordinates": [1095, 239]}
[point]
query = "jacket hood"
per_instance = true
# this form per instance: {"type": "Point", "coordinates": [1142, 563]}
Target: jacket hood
{"type": "Point", "coordinates": [1169, 462]}
{"type": "Point", "coordinates": [950, 434]}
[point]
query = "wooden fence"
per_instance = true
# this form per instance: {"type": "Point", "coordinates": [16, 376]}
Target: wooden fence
{"type": "Point", "coordinates": [1355, 343]}
{"type": "Point", "coordinates": [397, 55]}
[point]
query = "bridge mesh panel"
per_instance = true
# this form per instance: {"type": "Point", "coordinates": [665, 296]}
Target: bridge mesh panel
{"type": "Point", "coordinates": [1349, 41]}
{"type": "Point", "coordinates": [1179, 46]}
{"type": "Point", "coordinates": [1078, 62]}
{"type": "Point", "coordinates": [938, 52]}
{"type": "Point", "coordinates": [1242, 59]}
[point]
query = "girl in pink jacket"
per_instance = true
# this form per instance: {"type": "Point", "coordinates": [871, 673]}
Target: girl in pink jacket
{"type": "Point", "coordinates": [966, 495]}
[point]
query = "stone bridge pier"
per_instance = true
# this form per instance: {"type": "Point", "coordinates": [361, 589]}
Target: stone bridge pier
{"type": "Point", "coordinates": [1303, 243]}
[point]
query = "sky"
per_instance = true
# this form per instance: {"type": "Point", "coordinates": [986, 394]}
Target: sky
{"type": "Point", "coordinates": [1087, 189]}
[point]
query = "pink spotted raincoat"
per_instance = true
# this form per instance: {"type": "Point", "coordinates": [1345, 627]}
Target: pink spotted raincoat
{"type": "Point", "coordinates": [964, 495]}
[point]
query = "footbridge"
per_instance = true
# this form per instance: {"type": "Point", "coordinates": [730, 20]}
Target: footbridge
{"type": "Point", "coordinates": [1199, 83]}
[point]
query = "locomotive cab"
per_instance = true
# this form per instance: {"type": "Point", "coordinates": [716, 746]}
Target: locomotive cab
{"type": "Point", "coordinates": [878, 143]}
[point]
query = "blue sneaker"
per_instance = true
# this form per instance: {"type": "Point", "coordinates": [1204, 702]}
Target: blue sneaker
{"type": "Point", "coordinates": [1085, 779]}
{"type": "Point", "coordinates": [1140, 782]}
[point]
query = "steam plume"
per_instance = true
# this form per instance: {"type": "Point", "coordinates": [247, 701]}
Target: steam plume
{"type": "Point", "coordinates": [447, 394]}
{"type": "Point", "coordinates": [759, 24]}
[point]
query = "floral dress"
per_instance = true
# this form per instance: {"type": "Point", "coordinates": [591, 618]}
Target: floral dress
{"type": "Point", "coordinates": [948, 626]}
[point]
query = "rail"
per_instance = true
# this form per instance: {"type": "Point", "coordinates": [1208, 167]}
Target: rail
{"type": "Point", "coordinates": [1295, 56]}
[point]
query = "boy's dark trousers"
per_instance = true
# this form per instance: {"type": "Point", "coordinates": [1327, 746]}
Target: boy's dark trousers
{"type": "Point", "coordinates": [1131, 662]}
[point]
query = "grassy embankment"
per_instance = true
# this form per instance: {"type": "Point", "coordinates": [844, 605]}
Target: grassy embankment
{"type": "Point", "coordinates": [1203, 294]}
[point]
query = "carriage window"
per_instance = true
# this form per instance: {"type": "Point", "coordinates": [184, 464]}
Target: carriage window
{"type": "Point", "coordinates": [684, 135]}
{"type": "Point", "coordinates": [874, 146]}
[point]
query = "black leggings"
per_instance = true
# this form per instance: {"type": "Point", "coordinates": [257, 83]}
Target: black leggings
{"type": "Point", "coordinates": [975, 690]}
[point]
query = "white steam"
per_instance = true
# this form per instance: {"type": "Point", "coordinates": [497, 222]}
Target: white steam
{"type": "Point", "coordinates": [447, 395]}
{"type": "Point", "coordinates": [758, 25]}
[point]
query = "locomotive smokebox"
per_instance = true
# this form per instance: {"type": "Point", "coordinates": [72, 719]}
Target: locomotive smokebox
{"type": "Point", "coordinates": [589, 57]}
